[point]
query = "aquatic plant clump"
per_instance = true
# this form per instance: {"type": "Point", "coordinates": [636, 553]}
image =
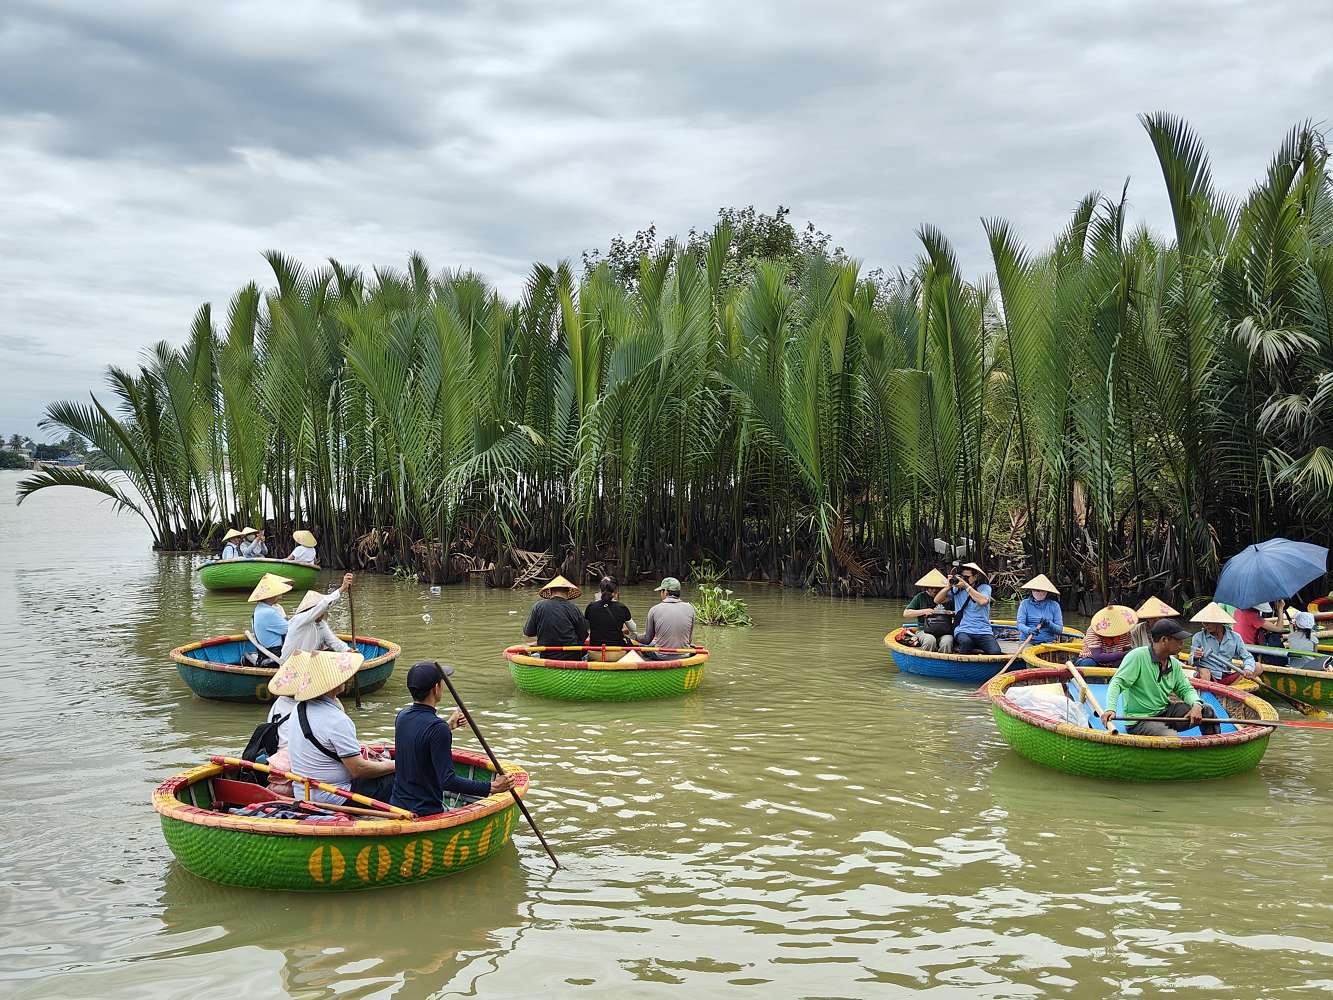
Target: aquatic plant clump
{"type": "Point", "coordinates": [1113, 408]}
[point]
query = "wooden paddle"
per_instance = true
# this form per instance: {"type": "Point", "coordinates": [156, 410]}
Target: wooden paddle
{"type": "Point", "coordinates": [1088, 696]}
{"type": "Point", "coordinates": [496, 761]}
{"type": "Point", "coordinates": [1269, 723]}
{"type": "Point", "coordinates": [356, 677]}
{"type": "Point", "coordinates": [981, 691]}
{"type": "Point", "coordinates": [301, 779]}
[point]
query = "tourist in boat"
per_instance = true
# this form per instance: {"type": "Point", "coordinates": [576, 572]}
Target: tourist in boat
{"type": "Point", "coordinates": [934, 622]}
{"type": "Point", "coordinates": [1148, 677]}
{"type": "Point", "coordinates": [670, 623]}
{"type": "Point", "coordinates": [1217, 648]}
{"type": "Point", "coordinates": [254, 547]}
{"type": "Point", "coordinates": [969, 593]}
{"type": "Point", "coordinates": [607, 621]}
{"type": "Point", "coordinates": [1302, 638]}
{"type": "Point", "coordinates": [555, 621]}
{"type": "Point", "coordinates": [423, 749]}
{"type": "Point", "coordinates": [322, 743]}
{"type": "Point", "coordinates": [1150, 612]}
{"type": "Point", "coordinates": [305, 547]}
{"type": "Point", "coordinates": [1260, 625]}
{"type": "Point", "coordinates": [1106, 641]}
{"type": "Point", "coordinates": [1039, 616]}
{"type": "Point", "coordinates": [269, 624]}
{"type": "Point", "coordinates": [230, 544]}
{"type": "Point", "coordinates": [307, 631]}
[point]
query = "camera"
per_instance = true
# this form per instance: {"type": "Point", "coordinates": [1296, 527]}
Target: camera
{"type": "Point", "coordinates": [954, 579]}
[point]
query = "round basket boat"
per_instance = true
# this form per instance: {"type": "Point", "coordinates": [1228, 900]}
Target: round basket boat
{"type": "Point", "coordinates": [354, 853]}
{"type": "Point", "coordinates": [1312, 686]}
{"type": "Point", "coordinates": [957, 666]}
{"type": "Point", "coordinates": [213, 668]}
{"type": "Point", "coordinates": [244, 574]}
{"type": "Point", "coordinates": [1090, 750]}
{"type": "Point", "coordinates": [600, 680]}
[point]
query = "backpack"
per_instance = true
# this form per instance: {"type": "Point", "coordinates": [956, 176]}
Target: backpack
{"type": "Point", "coordinates": [263, 745]}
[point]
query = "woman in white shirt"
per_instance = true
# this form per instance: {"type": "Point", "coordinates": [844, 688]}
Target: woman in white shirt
{"type": "Point", "coordinates": [305, 547]}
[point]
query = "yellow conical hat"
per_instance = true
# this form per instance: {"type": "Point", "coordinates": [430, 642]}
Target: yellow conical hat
{"type": "Point", "coordinates": [1040, 582]}
{"type": "Point", "coordinates": [248, 531]}
{"type": "Point", "coordinates": [1113, 621]}
{"type": "Point", "coordinates": [1153, 608]}
{"type": "Point", "coordinates": [560, 583]}
{"type": "Point", "coordinates": [1214, 614]}
{"type": "Point", "coordinates": [269, 585]}
{"type": "Point", "coordinates": [232, 533]}
{"type": "Point", "coordinates": [308, 675]}
{"type": "Point", "coordinates": [934, 579]}
{"type": "Point", "coordinates": [303, 537]}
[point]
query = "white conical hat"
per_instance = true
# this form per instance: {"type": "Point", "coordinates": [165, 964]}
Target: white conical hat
{"type": "Point", "coordinates": [312, 597]}
{"type": "Point", "coordinates": [303, 537]}
{"type": "Point", "coordinates": [1040, 582]}
{"type": "Point", "coordinates": [1153, 608]}
{"type": "Point", "coordinates": [232, 533]}
{"type": "Point", "coordinates": [631, 657]}
{"type": "Point", "coordinates": [1214, 614]}
{"type": "Point", "coordinates": [934, 579]}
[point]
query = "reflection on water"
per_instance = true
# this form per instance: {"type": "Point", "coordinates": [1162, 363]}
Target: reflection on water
{"type": "Point", "coordinates": [809, 823]}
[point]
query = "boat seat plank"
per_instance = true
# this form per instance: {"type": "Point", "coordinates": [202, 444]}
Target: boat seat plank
{"type": "Point", "coordinates": [1099, 692]}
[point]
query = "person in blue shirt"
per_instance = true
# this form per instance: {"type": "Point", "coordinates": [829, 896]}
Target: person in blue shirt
{"type": "Point", "coordinates": [1039, 616]}
{"type": "Point", "coordinates": [423, 749]}
{"type": "Point", "coordinates": [968, 594]}
{"type": "Point", "coordinates": [230, 549]}
{"type": "Point", "coordinates": [1217, 653]}
{"type": "Point", "coordinates": [253, 546]}
{"type": "Point", "coordinates": [269, 625]}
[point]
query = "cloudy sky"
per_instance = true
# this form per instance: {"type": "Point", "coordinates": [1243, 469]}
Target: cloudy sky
{"type": "Point", "coordinates": [150, 150]}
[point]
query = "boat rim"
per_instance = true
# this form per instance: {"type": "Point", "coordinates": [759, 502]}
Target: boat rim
{"type": "Point", "coordinates": [997, 686]}
{"type": "Point", "coordinates": [518, 654]}
{"type": "Point", "coordinates": [181, 655]}
{"type": "Point", "coordinates": [261, 559]}
{"type": "Point", "coordinates": [169, 807]}
{"type": "Point", "coordinates": [931, 654]}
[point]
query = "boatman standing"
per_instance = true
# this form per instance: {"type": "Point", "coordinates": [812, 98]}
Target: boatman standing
{"type": "Point", "coordinates": [307, 631]}
{"type": "Point", "coordinates": [1147, 677]}
{"type": "Point", "coordinates": [423, 749]}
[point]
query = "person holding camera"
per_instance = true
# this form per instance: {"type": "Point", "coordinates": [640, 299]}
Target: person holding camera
{"type": "Point", "coordinates": [934, 632]}
{"type": "Point", "coordinates": [969, 594]}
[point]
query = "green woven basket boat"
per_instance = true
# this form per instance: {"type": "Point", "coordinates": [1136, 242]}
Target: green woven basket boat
{"type": "Point", "coordinates": [213, 668]}
{"type": "Point", "coordinates": [360, 853]}
{"type": "Point", "coordinates": [580, 680]}
{"type": "Point", "coordinates": [1097, 753]}
{"type": "Point", "coordinates": [243, 574]}
{"type": "Point", "coordinates": [1312, 686]}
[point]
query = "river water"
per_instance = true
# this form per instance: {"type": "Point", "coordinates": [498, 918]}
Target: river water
{"type": "Point", "coordinates": [809, 823]}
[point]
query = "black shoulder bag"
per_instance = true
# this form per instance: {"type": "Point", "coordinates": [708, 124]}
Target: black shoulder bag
{"type": "Point", "coordinates": [305, 728]}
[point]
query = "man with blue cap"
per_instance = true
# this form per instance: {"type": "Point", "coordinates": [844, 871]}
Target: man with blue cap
{"type": "Point", "coordinates": [423, 748]}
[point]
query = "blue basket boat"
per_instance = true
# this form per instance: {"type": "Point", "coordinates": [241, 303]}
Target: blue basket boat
{"type": "Point", "coordinates": [956, 666]}
{"type": "Point", "coordinates": [213, 667]}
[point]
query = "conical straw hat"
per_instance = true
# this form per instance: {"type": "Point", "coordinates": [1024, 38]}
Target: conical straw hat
{"type": "Point", "coordinates": [303, 537]}
{"type": "Point", "coordinates": [631, 657]}
{"type": "Point", "coordinates": [312, 597]}
{"type": "Point", "coordinates": [1113, 621]}
{"type": "Point", "coordinates": [232, 533]}
{"type": "Point", "coordinates": [934, 579]}
{"type": "Point", "coordinates": [269, 585]}
{"type": "Point", "coordinates": [1214, 614]}
{"type": "Point", "coordinates": [974, 566]}
{"type": "Point", "coordinates": [1040, 582]}
{"type": "Point", "coordinates": [248, 531]}
{"type": "Point", "coordinates": [560, 583]}
{"type": "Point", "coordinates": [1153, 608]}
{"type": "Point", "coordinates": [314, 674]}
{"type": "Point", "coordinates": [284, 681]}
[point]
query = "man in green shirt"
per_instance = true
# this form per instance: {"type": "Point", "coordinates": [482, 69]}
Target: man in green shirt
{"type": "Point", "coordinates": [1148, 676]}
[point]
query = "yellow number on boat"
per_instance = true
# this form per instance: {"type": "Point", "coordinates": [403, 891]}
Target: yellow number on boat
{"type": "Point", "coordinates": [692, 678]}
{"type": "Point", "coordinates": [410, 855]}
{"type": "Point", "coordinates": [454, 853]}
{"type": "Point", "coordinates": [485, 840]}
{"type": "Point", "coordinates": [316, 865]}
{"type": "Point", "coordinates": [382, 862]}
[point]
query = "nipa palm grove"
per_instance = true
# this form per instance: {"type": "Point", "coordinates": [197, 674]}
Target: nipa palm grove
{"type": "Point", "coordinates": [1120, 409]}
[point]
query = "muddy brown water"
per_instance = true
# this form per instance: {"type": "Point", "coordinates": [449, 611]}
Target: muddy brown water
{"type": "Point", "coordinates": [810, 823]}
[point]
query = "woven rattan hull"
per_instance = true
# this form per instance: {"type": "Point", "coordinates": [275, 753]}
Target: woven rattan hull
{"type": "Point", "coordinates": [606, 685]}
{"type": "Point", "coordinates": [243, 574]}
{"type": "Point", "coordinates": [212, 668]}
{"type": "Point", "coordinates": [953, 666]}
{"type": "Point", "coordinates": [317, 862]}
{"type": "Point", "coordinates": [1313, 686]}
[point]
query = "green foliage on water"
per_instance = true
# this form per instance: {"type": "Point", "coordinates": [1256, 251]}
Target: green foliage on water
{"type": "Point", "coordinates": [714, 605]}
{"type": "Point", "coordinates": [1119, 409]}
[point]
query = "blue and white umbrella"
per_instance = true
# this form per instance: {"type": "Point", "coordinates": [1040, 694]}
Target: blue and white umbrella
{"type": "Point", "coordinates": [1269, 571]}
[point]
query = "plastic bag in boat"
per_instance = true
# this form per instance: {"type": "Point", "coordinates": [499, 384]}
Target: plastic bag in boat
{"type": "Point", "coordinates": [1047, 701]}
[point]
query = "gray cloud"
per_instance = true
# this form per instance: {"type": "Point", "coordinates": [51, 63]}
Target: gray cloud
{"type": "Point", "coordinates": [149, 151]}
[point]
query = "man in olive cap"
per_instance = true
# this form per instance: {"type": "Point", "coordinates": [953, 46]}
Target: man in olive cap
{"type": "Point", "coordinates": [670, 623]}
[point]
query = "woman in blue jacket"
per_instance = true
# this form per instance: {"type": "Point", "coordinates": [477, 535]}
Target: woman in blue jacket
{"type": "Point", "coordinates": [1039, 615]}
